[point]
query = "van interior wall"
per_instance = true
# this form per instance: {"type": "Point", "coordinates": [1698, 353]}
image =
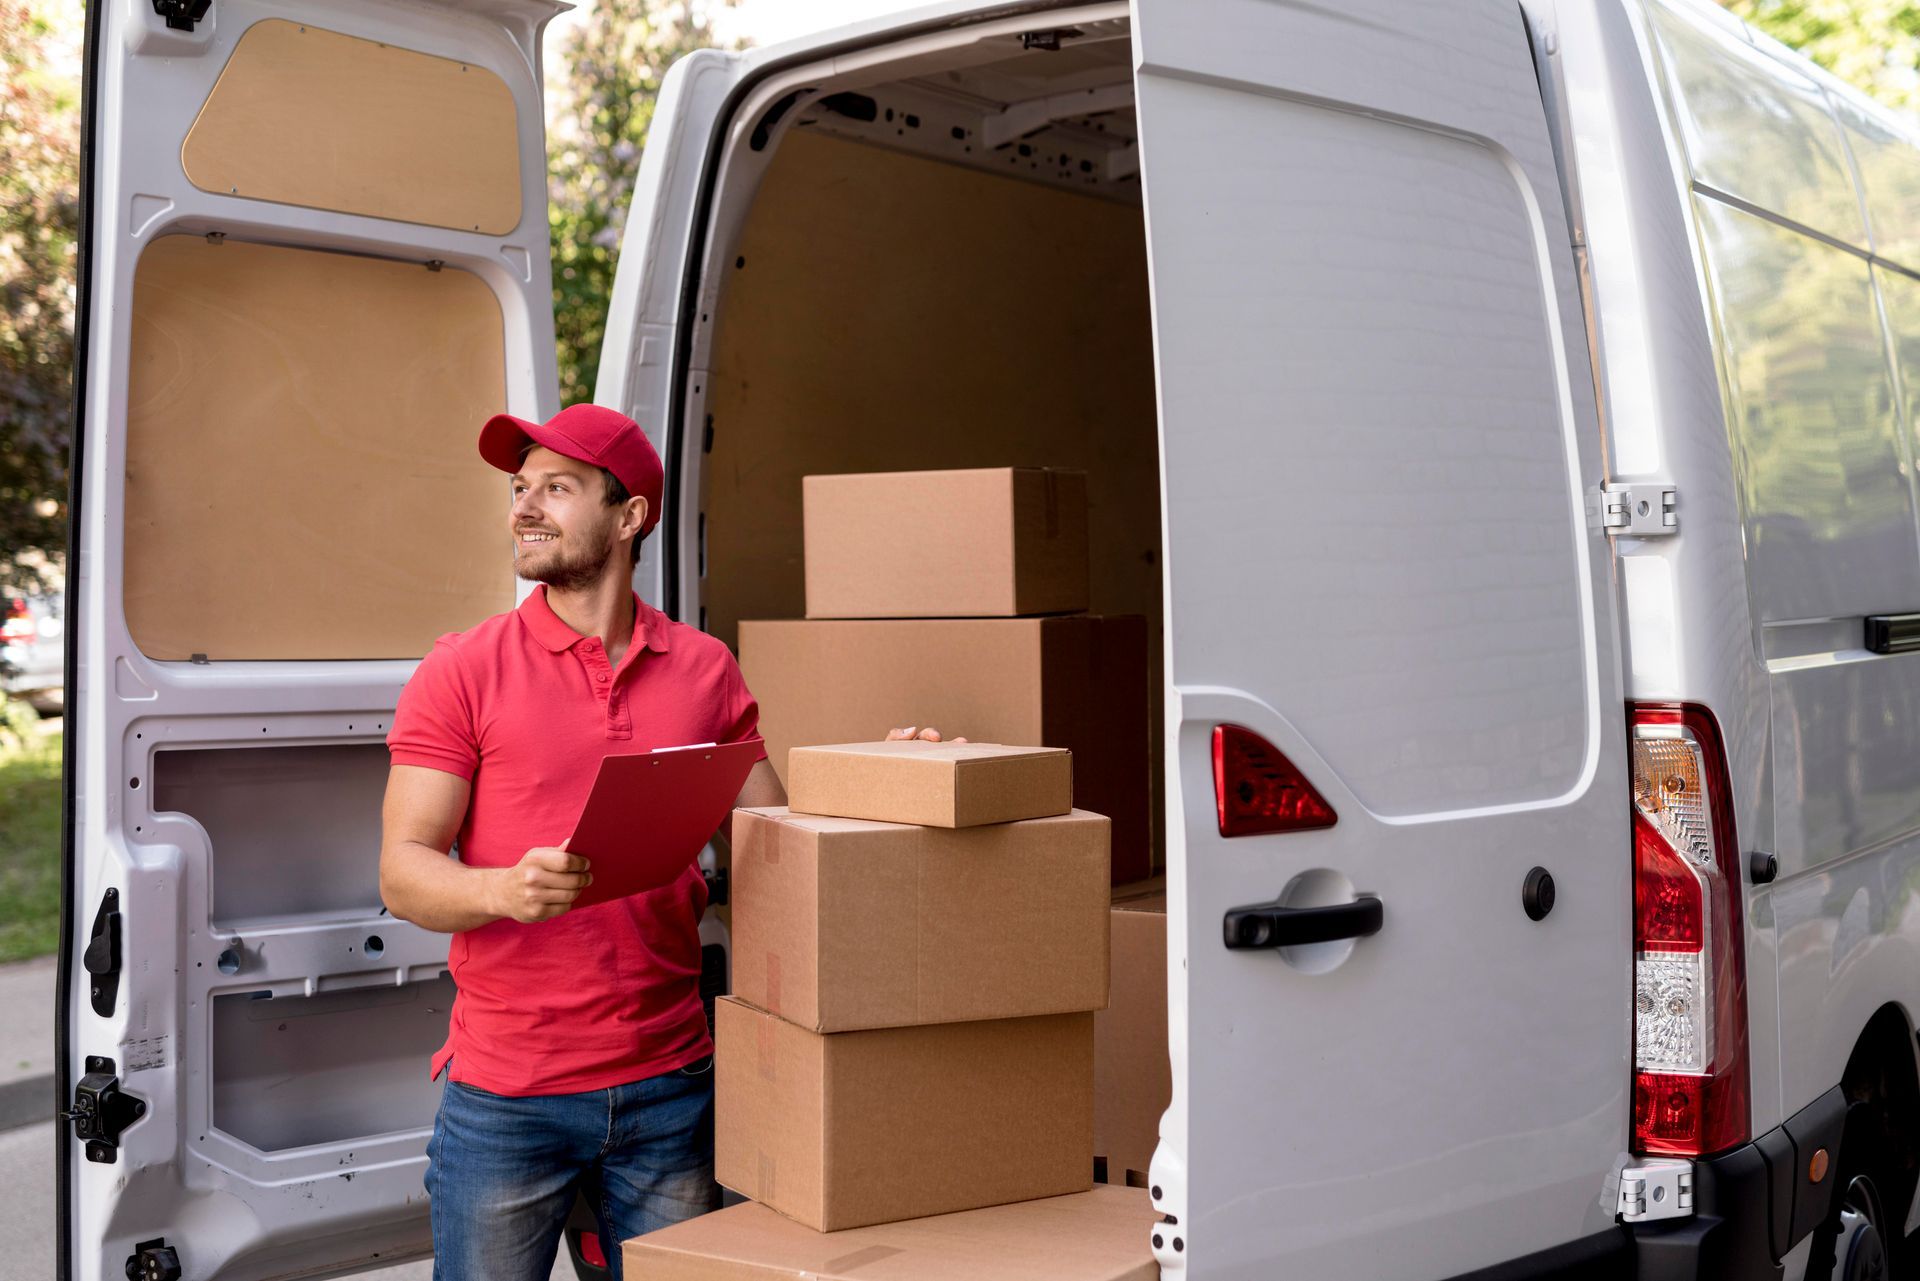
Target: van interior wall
{"type": "Point", "coordinates": [886, 312]}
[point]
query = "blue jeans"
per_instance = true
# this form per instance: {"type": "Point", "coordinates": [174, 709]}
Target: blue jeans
{"type": "Point", "coordinates": [502, 1172]}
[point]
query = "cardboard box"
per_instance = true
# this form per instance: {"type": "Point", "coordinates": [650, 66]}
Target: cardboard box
{"type": "Point", "coordinates": [852, 1128]}
{"type": "Point", "coordinates": [993, 542]}
{"type": "Point", "coordinates": [1132, 1077]}
{"type": "Point", "coordinates": [841, 924]}
{"type": "Point", "coordinates": [1088, 1236]}
{"type": "Point", "coordinates": [1078, 683]}
{"type": "Point", "coordinates": [931, 784]}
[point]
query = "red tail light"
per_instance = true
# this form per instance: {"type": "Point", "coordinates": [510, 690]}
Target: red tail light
{"type": "Point", "coordinates": [1690, 1019]}
{"type": "Point", "coordinates": [1257, 789]}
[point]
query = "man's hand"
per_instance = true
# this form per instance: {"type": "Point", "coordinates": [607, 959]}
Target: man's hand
{"type": "Point", "coordinates": [929, 735]}
{"type": "Point", "coordinates": [542, 885]}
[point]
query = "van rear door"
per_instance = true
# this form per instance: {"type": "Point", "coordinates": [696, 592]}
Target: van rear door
{"type": "Point", "coordinates": [314, 259]}
{"type": "Point", "coordinates": [1379, 428]}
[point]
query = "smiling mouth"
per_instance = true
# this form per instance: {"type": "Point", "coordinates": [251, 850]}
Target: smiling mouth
{"type": "Point", "coordinates": [536, 536]}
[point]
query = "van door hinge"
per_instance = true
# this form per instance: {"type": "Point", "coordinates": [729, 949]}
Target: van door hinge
{"type": "Point", "coordinates": [100, 1111]}
{"type": "Point", "coordinates": [1656, 1190]}
{"type": "Point", "coordinates": [1641, 511]}
{"type": "Point", "coordinates": [102, 957]}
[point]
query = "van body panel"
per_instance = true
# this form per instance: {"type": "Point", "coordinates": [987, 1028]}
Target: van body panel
{"type": "Point", "coordinates": [1688, 624]}
{"type": "Point", "coordinates": [1798, 359]}
{"type": "Point", "coordinates": [272, 1020]}
{"type": "Point", "coordinates": [1360, 264]}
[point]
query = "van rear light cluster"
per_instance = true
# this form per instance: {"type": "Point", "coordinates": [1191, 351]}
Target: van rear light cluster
{"type": "Point", "coordinates": [1257, 789]}
{"type": "Point", "coordinates": [1689, 970]}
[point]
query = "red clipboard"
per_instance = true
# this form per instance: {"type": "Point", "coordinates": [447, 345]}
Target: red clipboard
{"type": "Point", "coordinates": [651, 813]}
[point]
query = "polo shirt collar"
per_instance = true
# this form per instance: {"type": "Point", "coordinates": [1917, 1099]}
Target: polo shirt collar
{"type": "Point", "coordinates": [649, 624]}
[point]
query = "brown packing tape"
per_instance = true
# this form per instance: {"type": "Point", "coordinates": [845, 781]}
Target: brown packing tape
{"type": "Point", "coordinates": [773, 983]}
{"type": "Point", "coordinates": [764, 1043]}
{"type": "Point", "coordinates": [765, 1165]}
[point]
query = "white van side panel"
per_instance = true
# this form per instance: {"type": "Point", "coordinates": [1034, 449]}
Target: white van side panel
{"type": "Point", "coordinates": [1810, 328]}
{"type": "Point", "coordinates": [1740, 311]}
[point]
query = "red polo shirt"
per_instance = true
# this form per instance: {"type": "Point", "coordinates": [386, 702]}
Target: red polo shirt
{"type": "Point", "coordinates": [525, 707]}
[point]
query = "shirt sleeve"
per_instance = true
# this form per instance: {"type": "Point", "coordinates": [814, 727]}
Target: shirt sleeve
{"type": "Point", "coordinates": [434, 725]}
{"type": "Point", "coordinates": [741, 711]}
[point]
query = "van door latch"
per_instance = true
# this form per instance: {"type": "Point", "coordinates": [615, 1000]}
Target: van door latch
{"type": "Point", "coordinates": [102, 957]}
{"type": "Point", "coordinates": [101, 1111]}
{"type": "Point", "coordinates": [1640, 511]}
{"type": "Point", "coordinates": [1656, 1190]}
{"type": "Point", "coordinates": [181, 15]}
{"type": "Point", "coordinates": [153, 1261]}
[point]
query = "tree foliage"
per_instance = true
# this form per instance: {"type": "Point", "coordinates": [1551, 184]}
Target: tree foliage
{"type": "Point", "coordinates": [1873, 44]}
{"type": "Point", "coordinates": [39, 224]}
{"type": "Point", "coordinates": [615, 62]}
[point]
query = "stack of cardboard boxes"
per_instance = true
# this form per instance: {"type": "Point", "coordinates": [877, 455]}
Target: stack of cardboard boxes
{"type": "Point", "coordinates": [906, 1077]}
{"type": "Point", "coordinates": [920, 942]}
{"type": "Point", "coordinates": [956, 598]}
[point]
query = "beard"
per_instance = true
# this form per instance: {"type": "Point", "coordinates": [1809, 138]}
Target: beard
{"type": "Point", "coordinates": [563, 564]}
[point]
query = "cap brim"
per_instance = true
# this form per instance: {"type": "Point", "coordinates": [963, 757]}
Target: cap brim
{"type": "Point", "coordinates": [503, 438]}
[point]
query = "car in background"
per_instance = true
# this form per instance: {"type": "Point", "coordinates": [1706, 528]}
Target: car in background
{"type": "Point", "coordinates": [33, 651]}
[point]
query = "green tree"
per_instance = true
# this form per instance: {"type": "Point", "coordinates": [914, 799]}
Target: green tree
{"type": "Point", "coordinates": [615, 62]}
{"type": "Point", "coordinates": [1872, 44]}
{"type": "Point", "coordinates": [39, 223]}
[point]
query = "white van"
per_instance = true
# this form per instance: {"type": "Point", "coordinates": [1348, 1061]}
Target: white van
{"type": "Point", "coordinates": [1505, 413]}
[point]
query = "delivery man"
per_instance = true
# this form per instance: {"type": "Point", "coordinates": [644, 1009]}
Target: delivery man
{"type": "Point", "coordinates": [578, 1045]}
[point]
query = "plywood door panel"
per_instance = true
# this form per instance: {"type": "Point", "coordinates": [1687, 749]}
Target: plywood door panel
{"type": "Point", "coordinates": [301, 477]}
{"type": "Point", "coordinates": [307, 117]}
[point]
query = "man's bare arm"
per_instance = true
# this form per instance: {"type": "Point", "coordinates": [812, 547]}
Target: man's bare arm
{"type": "Point", "coordinates": [419, 883]}
{"type": "Point", "coordinates": [762, 788]}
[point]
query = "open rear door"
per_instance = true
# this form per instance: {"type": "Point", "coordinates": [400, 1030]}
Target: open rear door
{"type": "Point", "coordinates": [314, 260]}
{"type": "Point", "coordinates": [647, 356]}
{"type": "Point", "coordinates": [1378, 427]}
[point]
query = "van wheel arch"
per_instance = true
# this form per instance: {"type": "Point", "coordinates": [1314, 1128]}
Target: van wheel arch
{"type": "Point", "coordinates": [1882, 1137]}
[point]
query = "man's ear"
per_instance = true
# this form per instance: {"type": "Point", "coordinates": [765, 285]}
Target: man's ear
{"type": "Point", "coordinates": [634, 519]}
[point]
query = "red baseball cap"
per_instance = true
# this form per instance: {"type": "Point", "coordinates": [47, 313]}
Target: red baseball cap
{"type": "Point", "coordinates": [591, 433]}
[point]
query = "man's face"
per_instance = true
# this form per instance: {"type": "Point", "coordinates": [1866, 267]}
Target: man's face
{"type": "Point", "coordinates": [564, 530]}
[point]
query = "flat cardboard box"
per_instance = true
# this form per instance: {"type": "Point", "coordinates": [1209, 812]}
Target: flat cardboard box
{"type": "Point", "coordinates": [1078, 683]}
{"type": "Point", "coordinates": [1100, 1235]}
{"type": "Point", "coordinates": [1132, 1077]}
{"type": "Point", "coordinates": [841, 924]}
{"type": "Point", "coordinates": [990, 542]}
{"type": "Point", "coordinates": [931, 784]}
{"type": "Point", "coordinates": [842, 1130]}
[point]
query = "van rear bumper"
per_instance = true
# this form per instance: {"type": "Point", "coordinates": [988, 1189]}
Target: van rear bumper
{"type": "Point", "coordinates": [1751, 1207]}
{"type": "Point", "coordinates": [1729, 1234]}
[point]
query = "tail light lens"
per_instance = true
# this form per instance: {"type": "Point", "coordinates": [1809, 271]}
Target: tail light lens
{"type": "Point", "coordinates": [1257, 789]}
{"type": "Point", "coordinates": [1689, 967]}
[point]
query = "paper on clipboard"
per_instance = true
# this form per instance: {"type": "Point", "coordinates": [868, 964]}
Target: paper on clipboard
{"type": "Point", "coordinates": [651, 813]}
